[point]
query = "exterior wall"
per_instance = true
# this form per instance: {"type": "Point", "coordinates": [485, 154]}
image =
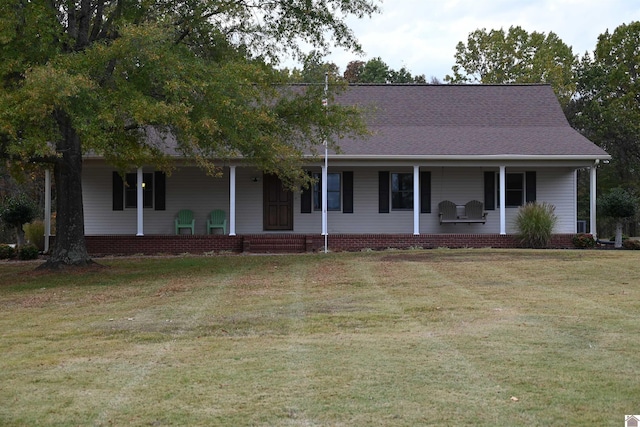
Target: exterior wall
{"type": "Point", "coordinates": [191, 188]}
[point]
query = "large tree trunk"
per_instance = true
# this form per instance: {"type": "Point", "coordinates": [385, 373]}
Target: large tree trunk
{"type": "Point", "coordinates": [69, 247]}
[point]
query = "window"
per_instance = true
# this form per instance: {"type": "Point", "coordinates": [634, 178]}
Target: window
{"type": "Point", "coordinates": [131, 190]}
{"type": "Point", "coordinates": [333, 192]}
{"type": "Point", "coordinates": [520, 188]}
{"type": "Point", "coordinates": [401, 191]}
{"type": "Point", "coordinates": [514, 191]}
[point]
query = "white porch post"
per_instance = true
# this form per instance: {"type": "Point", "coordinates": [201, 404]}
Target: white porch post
{"type": "Point", "coordinates": [324, 199]}
{"type": "Point", "coordinates": [140, 203]}
{"type": "Point", "coordinates": [592, 200]}
{"type": "Point", "coordinates": [47, 209]}
{"type": "Point", "coordinates": [416, 200]}
{"type": "Point", "coordinates": [232, 200]}
{"type": "Point", "coordinates": [503, 198]}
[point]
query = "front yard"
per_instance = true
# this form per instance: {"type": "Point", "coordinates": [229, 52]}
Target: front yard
{"type": "Point", "coordinates": [443, 337]}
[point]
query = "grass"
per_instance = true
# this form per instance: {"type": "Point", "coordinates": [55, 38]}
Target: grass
{"type": "Point", "coordinates": [402, 338]}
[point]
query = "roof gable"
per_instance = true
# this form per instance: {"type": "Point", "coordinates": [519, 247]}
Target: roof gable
{"type": "Point", "coordinates": [463, 120]}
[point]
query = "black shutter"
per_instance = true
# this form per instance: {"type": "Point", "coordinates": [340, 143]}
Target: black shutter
{"type": "Point", "coordinates": [347, 192]}
{"type": "Point", "coordinates": [160, 190]}
{"type": "Point", "coordinates": [118, 192]}
{"type": "Point", "coordinates": [425, 192]}
{"type": "Point", "coordinates": [383, 192]}
{"type": "Point", "coordinates": [490, 191]}
{"type": "Point", "coordinates": [305, 198]}
{"type": "Point", "coordinates": [530, 190]}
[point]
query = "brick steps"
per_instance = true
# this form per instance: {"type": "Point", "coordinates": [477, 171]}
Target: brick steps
{"type": "Point", "coordinates": [275, 244]}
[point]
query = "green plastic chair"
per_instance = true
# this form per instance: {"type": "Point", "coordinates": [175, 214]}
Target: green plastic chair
{"type": "Point", "coordinates": [184, 219]}
{"type": "Point", "coordinates": [217, 219]}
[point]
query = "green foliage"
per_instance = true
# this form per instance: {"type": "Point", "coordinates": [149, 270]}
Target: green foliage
{"type": "Point", "coordinates": [618, 203]}
{"type": "Point", "coordinates": [17, 210]}
{"type": "Point", "coordinates": [135, 81]}
{"type": "Point", "coordinates": [535, 223]}
{"type": "Point", "coordinates": [583, 241]}
{"type": "Point", "coordinates": [608, 105]}
{"type": "Point", "coordinates": [516, 56]}
{"type": "Point", "coordinates": [34, 232]}
{"type": "Point", "coordinates": [7, 252]}
{"type": "Point", "coordinates": [28, 252]}
{"type": "Point", "coordinates": [377, 71]}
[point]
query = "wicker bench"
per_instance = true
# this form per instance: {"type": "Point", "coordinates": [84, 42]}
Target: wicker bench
{"type": "Point", "coordinates": [470, 213]}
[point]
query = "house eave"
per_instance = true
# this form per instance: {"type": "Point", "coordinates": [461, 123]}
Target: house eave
{"type": "Point", "coordinates": [474, 157]}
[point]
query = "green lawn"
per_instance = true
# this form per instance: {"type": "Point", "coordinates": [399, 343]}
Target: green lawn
{"type": "Point", "coordinates": [397, 338]}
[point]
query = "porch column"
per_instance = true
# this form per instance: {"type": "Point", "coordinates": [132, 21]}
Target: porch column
{"type": "Point", "coordinates": [503, 200]}
{"type": "Point", "coordinates": [416, 200]}
{"type": "Point", "coordinates": [140, 203]}
{"type": "Point", "coordinates": [47, 209]}
{"type": "Point", "coordinates": [592, 200]}
{"type": "Point", "coordinates": [232, 200]}
{"type": "Point", "coordinates": [324, 199]}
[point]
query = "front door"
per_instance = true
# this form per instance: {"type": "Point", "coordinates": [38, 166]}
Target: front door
{"type": "Point", "coordinates": [278, 205]}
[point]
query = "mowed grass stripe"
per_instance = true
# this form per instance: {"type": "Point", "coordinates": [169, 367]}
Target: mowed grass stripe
{"type": "Point", "coordinates": [390, 338]}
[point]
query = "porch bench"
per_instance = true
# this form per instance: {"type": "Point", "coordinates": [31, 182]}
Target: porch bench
{"type": "Point", "coordinates": [470, 213]}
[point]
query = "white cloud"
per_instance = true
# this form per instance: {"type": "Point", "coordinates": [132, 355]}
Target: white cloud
{"type": "Point", "coordinates": [422, 35]}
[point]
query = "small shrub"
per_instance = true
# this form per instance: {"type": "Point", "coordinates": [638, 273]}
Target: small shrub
{"type": "Point", "coordinates": [34, 233]}
{"type": "Point", "coordinates": [28, 252]}
{"type": "Point", "coordinates": [7, 252]}
{"type": "Point", "coordinates": [631, 244]}
{"type": "Point", "coordinates": [584, 241]}
{"type": "Point", "coordinates": [535, 223]}
{"type": "Point", "coordinates": [613, 238]}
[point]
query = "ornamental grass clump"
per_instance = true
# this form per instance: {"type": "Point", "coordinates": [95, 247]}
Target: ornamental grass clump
{"type": "Point", "coordinates": [535, 223]}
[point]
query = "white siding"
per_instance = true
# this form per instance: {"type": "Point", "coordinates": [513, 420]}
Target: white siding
{"type": "Point", "coordinates": [191, 188]}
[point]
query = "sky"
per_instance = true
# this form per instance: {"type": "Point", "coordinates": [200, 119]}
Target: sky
{"type": "Point", "coordinates": [422, 35]}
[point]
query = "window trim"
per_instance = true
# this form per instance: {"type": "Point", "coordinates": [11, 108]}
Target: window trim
{"type": "Point", "coordinates": [316, 198]}
{"type": "Point", "coordinates": [130, 192]}
{"type": "Point", "coordinates": [528, 190]}
{"type": "Point", "coordinates": [403, 192]}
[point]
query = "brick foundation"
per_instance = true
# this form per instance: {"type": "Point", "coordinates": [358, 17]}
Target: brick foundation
{"type": "Point", "coordinates": [296, 243]}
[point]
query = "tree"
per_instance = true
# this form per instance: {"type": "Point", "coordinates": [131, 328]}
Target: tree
{"type": "Point", "coordinates": [15, 211]}
{"type": "Point", "coordinates": [516, 56]}
{"type": "Point", "coordinates": [377, 71]}
{"type": "Point", "coordinates": [620, 205]}
{"type": "Point", "coordinates": [353, 71]}
{"type": "Point", "coordinates": [607, 108]}
{"type": "Point", "coordinates": [101, 75]}
{"type": "Point", "coordinates": [313, 70]}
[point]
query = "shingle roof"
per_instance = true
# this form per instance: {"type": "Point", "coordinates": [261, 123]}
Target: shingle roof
{"type": "Point", "coordinates": [463, 120]}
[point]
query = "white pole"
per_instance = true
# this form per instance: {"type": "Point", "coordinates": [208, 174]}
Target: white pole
{"type": "Point", "coordinates": [325, 183]}
{"type": "Point", "coordinates": [140, 202]}
{"type": "Point", "coordinates": [47, 209]}
{"type": "Point", "coordinates": [592, 200]}
{"type": "Point", "coordinates": [232, 200]}
{"type": "Point", "coordinates": [416, 200]}
{"type": "Point", "coordinates": [503, 200]}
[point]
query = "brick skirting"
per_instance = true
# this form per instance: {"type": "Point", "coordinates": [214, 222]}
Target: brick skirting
{"type": "Point", "coordinates": [292, 243]}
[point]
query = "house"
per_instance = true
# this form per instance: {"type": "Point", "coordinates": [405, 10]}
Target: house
{"type": "Point", "coordinates": [502, 145]}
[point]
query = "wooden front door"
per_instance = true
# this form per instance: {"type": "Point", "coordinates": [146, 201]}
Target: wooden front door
{"type": "Point", "coordinates": [278, 205]}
